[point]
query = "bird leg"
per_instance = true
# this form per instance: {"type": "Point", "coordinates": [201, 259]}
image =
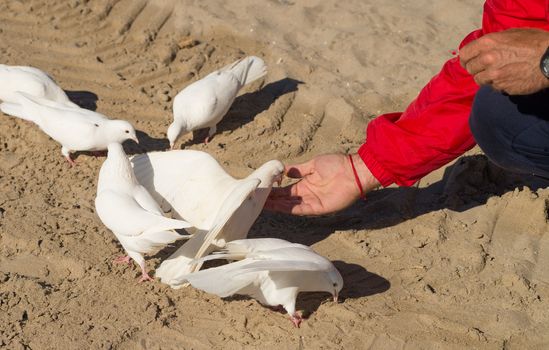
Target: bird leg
{"type": "Point", "coordinates": [145, 276]}
{"type": "Point", "coordinates": [71, 162]}
{"type": "Point", "coordinates": [211, 132]}
{"type": "Point", "coordinates": [296, 319]}
{"type": "Point", "coordinates": [121, 260]}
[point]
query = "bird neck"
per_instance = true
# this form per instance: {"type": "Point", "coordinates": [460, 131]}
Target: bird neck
{"type": "Point", "coordinates": [117, 168]}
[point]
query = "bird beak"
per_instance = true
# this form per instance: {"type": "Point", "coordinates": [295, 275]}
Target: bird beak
{"type": "Point", "coordinates": [135, 139]}
{"type": "Point", "coordinates": [336, 296]}
{"type": "Point", "coordinates": [278, 179]}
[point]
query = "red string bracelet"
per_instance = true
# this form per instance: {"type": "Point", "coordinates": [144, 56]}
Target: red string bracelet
{"type": "Point", "coordinates": [357, 179]}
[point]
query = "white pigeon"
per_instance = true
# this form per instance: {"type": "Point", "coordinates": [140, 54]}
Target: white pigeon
{"type": "Point", "coordinates": [130, 212]}
{"type": "Point", "coordinates": [32, 81]}
{"type": "Point", "coordinates": [198, 190]}
{"type": "Point", "coordinates": [205, 102]}
{"type": "Point", "coordinates": [76, 129]}
{"type": "Point", "coordinates": [272, 271]}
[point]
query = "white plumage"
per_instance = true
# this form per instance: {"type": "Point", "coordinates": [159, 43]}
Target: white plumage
{"type": "Point", "coordinates": [198, 190]}
{"type": "Point", "coordinates": [203, 103]}
{"type": "Point", "coordinates": [76, 129]}
{"type": "Point", "coordinates": [130, 212]}
{"type": "Point", "coordinates": [32, 81]}
{"type": "Point", "coordinates": [272, 271]}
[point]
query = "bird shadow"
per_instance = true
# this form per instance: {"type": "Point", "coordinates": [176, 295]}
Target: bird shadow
{"type": "Point", "coordinates": [358, 283]}
{"type": "Point", "coordinates": [85, 99]}
{"type": "Point", "coordinates": [147, 143]}
{"type": "Point", "coordinates": [468, 183]}
{"type": "Point", "coordinates": [247, 106]}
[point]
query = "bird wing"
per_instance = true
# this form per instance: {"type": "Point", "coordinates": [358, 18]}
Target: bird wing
{"type": "Point", "coordinates": [197, 104]}
{"type": "Point", "coordinates": [224, 280]}
{"type": "Point", "coordinates": [123, 215]}
{"type": "Point", "coordinates": [192, 183]}
{"type": "Point", "coordinates": [82, 113]}
{"type": "Point", "coordinates": [145, 200]}
{"type": "Point", "coordinates": [225, 214]}
{"type": "Point", "coordinates": [241, 248]}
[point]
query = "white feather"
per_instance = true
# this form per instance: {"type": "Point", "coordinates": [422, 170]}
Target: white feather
{"type": "Point", "coordinates": [32, 81]}
{"type": "Point", "coordinates": [272, 276]}
{"type": "Point", "coordinates": [203, 103]}
{"type": "Point", "coordinates": [129, 211]}
{"type": "Point", "coordinates": [198, 190]}
{"type": "Point", "coordinates": [76, 129]}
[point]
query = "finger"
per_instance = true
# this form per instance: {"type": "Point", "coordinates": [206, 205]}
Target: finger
{"type": "Point", "coordinates": [298, 171]}
{"type": "Point", "coordinates": [485, 77]}
{"type": "Point", "coordinates": [475, 65]}
{"type": "Point", "coordinates": [475, 48]}
{"type": "Point", "coordinates": [468, 52]}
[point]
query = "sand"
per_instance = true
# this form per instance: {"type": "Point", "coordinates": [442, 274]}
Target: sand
{"type": "Point", "coordinates": [459, 261]}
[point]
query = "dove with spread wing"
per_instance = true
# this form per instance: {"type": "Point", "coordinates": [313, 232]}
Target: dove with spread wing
{"type": "Point", "coordinates": [272, 271]}
{"type": "Point", "coordinates": [196, 188]}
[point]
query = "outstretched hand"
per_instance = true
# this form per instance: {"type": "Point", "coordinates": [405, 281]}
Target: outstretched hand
{"type": "Point", "coordinates": [508, 60]}
{"type": "Point", "coordinates": [326, 184]}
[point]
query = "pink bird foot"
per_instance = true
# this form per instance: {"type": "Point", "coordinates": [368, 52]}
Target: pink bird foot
{"type": "Point", "coordinates": [71, 162]}
{"type": "Point", "coordinates": [296, 319]}
{"type": "Point", "coordinates": [145, 277]}
{"type": "Point", "coordinates": [122, 260]}
{"type": "Point", "coordinates": [206, 140]}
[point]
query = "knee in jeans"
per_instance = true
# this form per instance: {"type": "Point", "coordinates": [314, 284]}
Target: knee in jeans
{"type": "Point", "coordinates": [485, 123]}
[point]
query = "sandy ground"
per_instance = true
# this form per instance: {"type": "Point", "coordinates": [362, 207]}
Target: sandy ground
{"type": "Point", "coordinates": [458, 262]}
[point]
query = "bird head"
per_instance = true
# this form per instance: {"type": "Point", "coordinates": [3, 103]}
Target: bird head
{"type": "Point", "coordinates": [174, 130]}
{"type": "Point", "coordinates": [120, 131]}
{"type": "Point", "coordinates": [336, 283]}
{"type": "Point", "coordinates": [268, 173]}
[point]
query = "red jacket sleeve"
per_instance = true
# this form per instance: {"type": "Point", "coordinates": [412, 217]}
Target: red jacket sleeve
{"type": "Point", "coordinates": [403, 147]}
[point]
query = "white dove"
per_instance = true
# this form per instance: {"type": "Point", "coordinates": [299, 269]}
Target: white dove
{"type": "Point", "coordinates": [203, 103]}
{"type": "Point", "coordinates": [198, 190]}
{"type": "Point", "coordinates": [32, 81]}
{"type": "Point", "coordinates": [130, 212]}
{"type": "Point", "coordinates": [272, 271]}
{"type": "Point", "coordinates": [76, 129]}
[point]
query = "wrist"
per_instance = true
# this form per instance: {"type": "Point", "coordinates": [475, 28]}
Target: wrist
{"type": "Point", "coordinates": [363, 175]}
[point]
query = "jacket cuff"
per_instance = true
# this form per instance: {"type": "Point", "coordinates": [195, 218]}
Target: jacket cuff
{"type": "Point", "coordinates": [384, 178]}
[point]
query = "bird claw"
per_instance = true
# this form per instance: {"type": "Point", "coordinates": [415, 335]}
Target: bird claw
{"type": "Point", "coordinates": [296, 320]}
{"type": "Point", "coordinates": [145, 277]}
{"type": "Point", "coordinates": [122, 259]}
{"type": "Point", "coordinates": [71, 162]}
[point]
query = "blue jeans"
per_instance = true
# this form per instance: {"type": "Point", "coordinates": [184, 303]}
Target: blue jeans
{"type": "Point", "coordinates": [513, 131]}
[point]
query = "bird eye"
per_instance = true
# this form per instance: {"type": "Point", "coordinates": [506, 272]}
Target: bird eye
{"type": "Point", "coordinates": [97, 125]}
{"type": "Point", "coordinates": [127, 131]}
{"type": "Point", "coordinates": [335, 284]}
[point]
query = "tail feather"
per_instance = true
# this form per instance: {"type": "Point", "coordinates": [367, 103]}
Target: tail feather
{"type": "Point", "coordinates": [248, 69]}
{"type": "Point", "coordinates": [16, 110]}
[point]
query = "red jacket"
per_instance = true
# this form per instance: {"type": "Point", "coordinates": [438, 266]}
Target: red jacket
{"type": "Point", "coordinates": [403, 147]}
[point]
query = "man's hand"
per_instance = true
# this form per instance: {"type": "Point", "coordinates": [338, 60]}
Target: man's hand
{"type": "Point", "coordinates": [508, 60]}
{"type": "Point", "coordinates": [327, 184]}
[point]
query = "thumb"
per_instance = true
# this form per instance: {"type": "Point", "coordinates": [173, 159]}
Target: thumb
{"type": "Point", "coordinates": [298, 171]}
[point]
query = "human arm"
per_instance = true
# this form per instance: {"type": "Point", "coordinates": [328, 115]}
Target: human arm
{"type": "Point", "coordinates": [508, 60]}
{"type": "Point", "coordinates": [326, 184]}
